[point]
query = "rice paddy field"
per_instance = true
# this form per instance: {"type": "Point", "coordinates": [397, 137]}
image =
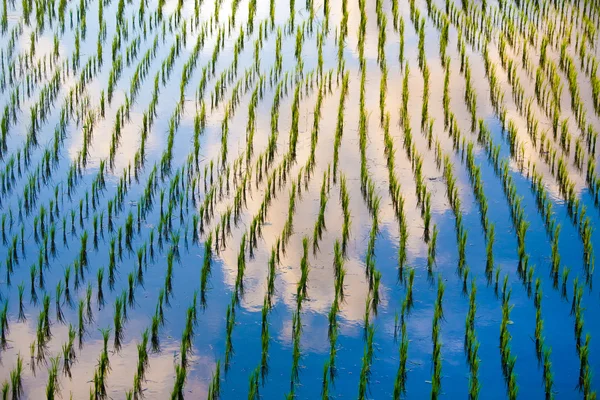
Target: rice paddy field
{"type": "Point", "coordinates": [299, 199]}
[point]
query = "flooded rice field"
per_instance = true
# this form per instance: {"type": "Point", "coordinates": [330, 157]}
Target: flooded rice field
{"type": "Point", "coordinates": [299, 199]}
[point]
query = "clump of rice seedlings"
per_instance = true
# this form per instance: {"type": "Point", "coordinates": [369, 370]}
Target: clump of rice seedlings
{"type": "Point", "coordinates": [129, 231]}
{"type": "Point", "coordinates": [320, 223]}
{"type": "Point", "coordinates": [16, 379]}
{"type": "Point", "coordinates": [206, 269]}
{"type": "Point", "coordinates": [585, 371]}
{"type": "Point", "coordinates": [301, 289]}
{"type": "Point", "coordinates": [367, 362]}
{"type": "Point", "coordinates": [420, 27]}
{"type": "Point", "coordinates": [81, 322]}
{"type": "Point", "coordinates": [345, 200]}
{"type": "Point", "coordinates": [46, 317]}
{"type": "Point", "coordinates": [100, 294]}
{"type": "Point", "coordinates": [400, 381]}
{"type": "Point", "coordinates": [131, 290]}
{"type": "Point", "coordinates": [159, 306]}
{"type": "Point", "coordinates": [565, 278]}
{"type": "Point", "coordinates": [169, 275]}
{"type": "Point", "coordinates": [118, 321]}
{"type": "Point", "coordinates": [507, 359]}
{"type": "Point", "coordinates": [142, 364]}
{"type": "Point", "coordinates": [181, 368]}
{"type": "Point", "coordinates": [52, 386]}
{"type": "Point", "coordinates": [229, 324]}
{"type": "Point", "coordinates": [241, 266]}
{"type": "Point", "coordinates": [21, 317]}
{"type": "Point", "coordinates": [103, 367]}
{"type": "Point", "coordinates": [555, 254]}
{"type": "Point", "coordinates": [214, 388]}
{"type": "Point", "coordinates": [265, 339]}
{"type": "Point", "coordinates": [253, 391]}
{"type": "Point", "coordinates": [295, 120]}
{"type": "Point", "coordinates": [489, 264]}
{"type": "Point", "coordinates": [68, 352]}
{"type": "Point", "coordinates": [438, 314]}
{"type": "Point", "coordinates": [325, 385]}
{"type": "Point", "coordinates": [58, 301]}
{"type": "Point", "coordinates": [340, 125]}
{"type": "Point", "coordinates": [471, 344]}
{"type": "Point", "coordinates": [548, 375]}
{"type": "Point", "coordinates": [408, 299]}
{"type": "Point", "coordinates": [340, 273]}
{"type": "Point", "coordinates": [88, 303]}
{"type": "Point", "coordinates": [431, 249]}
{"type": "Point", "coordinates": [83, 258]}
{"type": "Point", "coordinates": [304, 268]}
{"type": "Point", "coordinates": [33, 294]}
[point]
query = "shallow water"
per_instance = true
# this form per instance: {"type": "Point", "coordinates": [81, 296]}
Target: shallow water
{"type": "Point", "coordinates": [209, 340]}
